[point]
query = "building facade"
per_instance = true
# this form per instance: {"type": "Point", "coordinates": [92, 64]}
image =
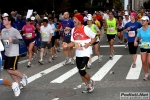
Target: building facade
{"type": "Point", "coordinates": [132, 4]}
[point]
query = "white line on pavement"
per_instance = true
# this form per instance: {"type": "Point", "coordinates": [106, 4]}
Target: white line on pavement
{"type": "Point", "coordinates": [134, 73]}
{"type": "Point", "coordinates": [46, 71]}
{"type": "Point", "coordinates": [70, 73]}
{"type": "Point", "coordinates": [105, 69]}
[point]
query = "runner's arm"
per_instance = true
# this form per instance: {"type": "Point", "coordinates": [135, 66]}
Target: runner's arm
{"type": "Point", "coordinates": [71, 44]}
{"type": "Point", "coordinates": [17, 41]}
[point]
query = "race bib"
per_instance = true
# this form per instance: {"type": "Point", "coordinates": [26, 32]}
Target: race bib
{"type": "Point", "coordinates": [111, 30]}
{"type": "Point", "coordinates": [6, 43]}
{"type": "Point", "coordinates": [145, 44]}
{"type": "Point", "coordinates": [67, 32]}
{"type": "Point", "coordinates": [44, 35]}
{"type": "Point", "coordinates": [131, 33]}
{"type": "Point", "coordinates": [28, 35]}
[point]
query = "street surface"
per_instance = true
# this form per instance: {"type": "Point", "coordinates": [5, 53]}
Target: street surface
{"type": "Point", "coordinates": [54, 81]}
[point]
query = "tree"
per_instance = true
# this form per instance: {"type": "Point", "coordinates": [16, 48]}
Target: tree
{"type": "Point", "coordinates": [146, 4]}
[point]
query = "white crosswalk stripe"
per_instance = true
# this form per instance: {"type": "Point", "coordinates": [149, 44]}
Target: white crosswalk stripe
{"type": "Point", "coordinates": [70, 73]}
{"type": "Point", "coordinates": [99, 74]}
{"type": "Point", "coordinates": [105, 69]}
{"type": "Point", "coordinates": [134, 73]}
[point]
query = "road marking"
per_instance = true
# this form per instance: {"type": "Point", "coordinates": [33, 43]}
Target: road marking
{"type": "Point", "coordinates": [105, 69]}
{"type": "Point", "coordinates": [23, 61]}
{"type": "Point", "coordinates": [113, 45]}
{"type": "Point", "coordinates": [55, 99]}
{"type": "Point", "coordinates": [103, 46]}
{"type": "Point", "coordinates": [70, 73]}
{"type": "Point", "coordinates": [46, 71]}
{"type": "Point", "coordinates": [134, 73]}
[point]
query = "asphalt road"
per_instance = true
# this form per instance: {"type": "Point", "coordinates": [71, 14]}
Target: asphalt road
{"type": "Point", "coordinates": [54, 81]}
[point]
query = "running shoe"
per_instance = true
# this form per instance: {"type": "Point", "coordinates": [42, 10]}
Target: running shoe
{"type": "Point", "coordinates": [16, 89]}
{"type": "Point", "coordinates": [146, 77]}
{"type": "Point", "coordinates": [41, 62]}
{"type": "Point", "coordinates": [66, 61]}
{"type": "Point", "coordinates": [111, 57]}
{"type": "Point", "coordinates": [34, 56]}
{"type": "Point", "coordinates": [99, 59]}
{"type": "Point", "coordinates": [50, 60]}
{"type": "Point", "coordinates": [72, 61]}
{"type": "Point", "coordinates": [29, 64]}
{"type": "Point", "coordinates": [24, 80]}
{"type": "Point", "coordinates": [133, 65]}
{"type": "Point", "coordinates": [88, 65]}
{"type": "Point", "coordinates": [126, 45]}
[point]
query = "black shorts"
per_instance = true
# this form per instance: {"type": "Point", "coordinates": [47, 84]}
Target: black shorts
{"type": "Point", "coordinates": [45, 44]}
{"type": "Point", "coordinates": [67, 40]}
{"type": "Point", "coordinates": [145, 50]}
{"type": "Point", "coordinates": [53, 40]}
{"type": "Point", "coordinates": [132, 48]}
{"type": "Point", "coordinates": [95, 43]}
{"type": "Point", "coordinates": [81, 62]}
{"type": "Point", "coordinates": [109, 37]}
{"type": "Point", "coordinates": [57, 35]}
{"type": "Point", "coordinates": [28, 41]}
{"type": "Point", "coordinates": [120, 30]}
{"type": "Point", "coordinates": [11, 63]}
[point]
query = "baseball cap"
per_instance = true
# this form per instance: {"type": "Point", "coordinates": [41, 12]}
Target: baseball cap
{"type": "Point", "coordinates": [89, 15]}
{"type": "Point", "coordinates": [145, 18]}
{"type": "Point", "coordinates": [126, 13]}
{"type": "Point", "coordinates": [32, 18]}
{"type": "Point", "coordinates": [5, 15]}
{"type": "Point", "coordinates": [89, 18]}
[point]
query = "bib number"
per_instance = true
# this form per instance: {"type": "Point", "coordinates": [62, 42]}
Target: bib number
{"type": "Point", "coordinates": [67, 33]}
{"type": "Point", "coordinates": [131, 33]}
{"type": "Point", "coordinates": [146, 44]}
{"type": "Point", "coordinates": [111, 30]}
{"type": "Point", "coordinates": [6, 43]}
{"type": "Point", "coordinates": [28, 35]}
{"type": "Point", "coordinates": [44, 35]}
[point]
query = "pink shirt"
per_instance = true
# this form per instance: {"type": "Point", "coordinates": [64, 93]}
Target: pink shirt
{"type": "Point", "coordinates": [29, 32]}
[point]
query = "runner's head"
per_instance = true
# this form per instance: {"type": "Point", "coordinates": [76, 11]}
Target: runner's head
{"type": "Point", "coordinates": [89, 20]}
{"type": "Point", "coordinates": [66, 15]}
{"type": "Point", "coordinates": [126, 14]}
{"type": "Point", "coordinates": [50, 19]}
{"type": "Point", "coordinates": [33, 19]}
{"type": "Point", "coordinates": [111, 14]}
{"type": "Point", "coordinates": [45, 21]}
{"type": "Point", "coordinates": [145, 20]}
{"type": "Point", "coordinates": [28, 21]}
{"type": "Point", "coordinates": [78, 19]}
{"type": "Point", "coordinates": [7, 20]}
{"type": "Point", "coordinates": [133, 16]}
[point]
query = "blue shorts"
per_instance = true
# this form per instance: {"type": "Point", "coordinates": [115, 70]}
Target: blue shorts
{"type": "Point", "coordinates": [125, 34]}
{"type": "Point", "coordinates": [1, 81]}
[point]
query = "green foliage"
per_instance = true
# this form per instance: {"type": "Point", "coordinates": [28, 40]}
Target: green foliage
{"type": "Point", "coordinates": [147, 4]}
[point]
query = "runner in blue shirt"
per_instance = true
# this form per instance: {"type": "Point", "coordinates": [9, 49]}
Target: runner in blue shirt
{"type": "Point", "coordinates": [132, 27]}
{"type": "Point", "coordinates": [67, 25]}
{"type": "Point", "coordinates": [144, 36]}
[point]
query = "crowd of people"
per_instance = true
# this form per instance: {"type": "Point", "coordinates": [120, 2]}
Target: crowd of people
{"type": "Point", "coordinates": [82, 31]}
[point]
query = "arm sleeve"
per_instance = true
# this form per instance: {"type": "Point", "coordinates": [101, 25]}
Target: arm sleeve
{"type": "Point", "coordinates": [18, 38]}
